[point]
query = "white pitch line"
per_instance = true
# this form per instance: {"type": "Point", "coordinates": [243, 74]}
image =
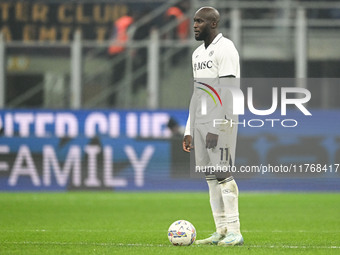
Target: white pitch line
{"type": "Point", "coordinates": [282, 231]}
{"type": "Point", "coordinates": [160, 231]}
{"type": "Point", "coordinates": [293, 246]}
{"type": "Point", "coordinates": [85, 243]}
{"type": "Point", "coordinates": [163, 245]}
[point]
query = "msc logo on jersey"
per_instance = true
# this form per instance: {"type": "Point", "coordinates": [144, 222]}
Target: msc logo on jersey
{"type": "Point", "coordinates": [202, 65]}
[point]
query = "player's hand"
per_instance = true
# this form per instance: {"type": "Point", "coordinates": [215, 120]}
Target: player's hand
{"type": "Point", "coordinates": [187, 143]}
{"type": "Point", "coordinates": [211, 141]}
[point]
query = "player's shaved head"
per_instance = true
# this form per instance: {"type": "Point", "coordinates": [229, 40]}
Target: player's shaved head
{"type": "Point", "coordinates": [210, 13]}
{"type": "Point", "coordinates": [206, 24]}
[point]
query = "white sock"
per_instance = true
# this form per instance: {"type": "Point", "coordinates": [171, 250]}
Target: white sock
{"type": "Point", "coordinates": [217, 205]}
{"type": "Point", "coordinates": [229, 192]}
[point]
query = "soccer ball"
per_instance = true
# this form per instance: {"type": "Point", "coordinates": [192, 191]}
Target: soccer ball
{"type": "Point", "coordinates": [182, 233]}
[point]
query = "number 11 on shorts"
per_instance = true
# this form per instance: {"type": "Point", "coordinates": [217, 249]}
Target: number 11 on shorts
{"type": "Point", "coordinates": [226, 150]}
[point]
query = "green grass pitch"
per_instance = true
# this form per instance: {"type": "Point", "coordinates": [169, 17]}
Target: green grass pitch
{"type": "Point", "coordinates": [137, 223]}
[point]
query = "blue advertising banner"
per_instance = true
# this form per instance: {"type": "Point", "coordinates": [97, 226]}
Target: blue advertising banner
{"type": "Point", "coordinates": [141, 150]}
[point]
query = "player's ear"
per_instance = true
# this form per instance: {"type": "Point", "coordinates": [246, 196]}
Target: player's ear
{"type": "Point", "coordinates": [213, 24]}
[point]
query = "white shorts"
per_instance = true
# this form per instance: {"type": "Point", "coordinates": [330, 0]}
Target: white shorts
{"type": "Point", "coordinates": [223, 154]}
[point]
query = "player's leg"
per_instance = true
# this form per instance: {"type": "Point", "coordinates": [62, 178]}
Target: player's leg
{"type": "Point", "coordinates": [230, 199]}
{"type": "Point", "coordinates": [224, 156]}
{"type": "Point", "coordinates": [217, 204]}
{"type": "Point", "coordinates": [216, 201]}
{"type": "Point", "coordinates": [217, 208]}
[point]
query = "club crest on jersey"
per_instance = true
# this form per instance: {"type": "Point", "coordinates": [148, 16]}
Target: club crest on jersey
{"type": "Point", "coordinates": [211, 53]}
{"type": "Point", "coordinates": [202, 65]}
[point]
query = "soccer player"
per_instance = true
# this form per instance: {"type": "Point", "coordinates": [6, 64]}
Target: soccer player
{"type": "Point", "coordinates": [215, 59]}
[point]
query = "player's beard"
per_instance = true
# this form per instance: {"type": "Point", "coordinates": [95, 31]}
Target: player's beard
{"type": "Point", "coordinates": [202, 34]}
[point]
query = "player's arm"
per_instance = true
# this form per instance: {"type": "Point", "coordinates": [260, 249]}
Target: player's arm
{"type": "Point", "coordinates": [228, 62]}
{"type": "Point", "coordinates": [187, 140]}
{"type": "Point", "coordinates": [212, 136]}
{"type": "Point", "coordinates": [228, 68]}
{"type": "Point", "coordinates": [189, 128]}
